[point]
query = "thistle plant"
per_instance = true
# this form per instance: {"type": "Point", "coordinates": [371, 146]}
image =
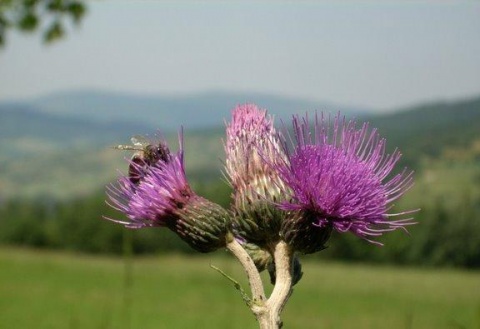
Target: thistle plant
{"type": "Point", "coordinates": [291, 189]}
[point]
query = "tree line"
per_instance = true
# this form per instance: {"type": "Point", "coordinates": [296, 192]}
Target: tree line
{"type": "Point", "coordinates": [445, 235]}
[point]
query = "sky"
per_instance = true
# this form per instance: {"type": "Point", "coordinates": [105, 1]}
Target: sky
{"type": "Point", "coordinates": [379, 55]}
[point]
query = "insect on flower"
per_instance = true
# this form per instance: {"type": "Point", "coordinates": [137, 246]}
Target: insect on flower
{"type": "Point", "coordinates": [147, 154]}
{"type": "Point", "coordinates": [156, 193]}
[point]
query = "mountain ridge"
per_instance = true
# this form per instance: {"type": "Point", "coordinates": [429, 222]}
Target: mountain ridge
{"type": "Point", "coordinates": [44, 156]}
{"type": "Point", "coordinates": [427, 129]}
{"type": "Point", "coordinates": [22, 127]}
{"type": "Point", "coordinates": [166, 112]}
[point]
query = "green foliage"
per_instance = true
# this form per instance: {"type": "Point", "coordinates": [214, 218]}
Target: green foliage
{"type": "Point", "coordinates": [28, 15]}
{"type": "Point", "coordinates": [426, 131]}
{"type": "Point", "coordinates": [447, 233]}
{"type": "Point", "coordinates": [444, 236]}
{"type": "Point", "coordinates": [450, 236]}
{"type": "Point", "coordinates": [78, 225]}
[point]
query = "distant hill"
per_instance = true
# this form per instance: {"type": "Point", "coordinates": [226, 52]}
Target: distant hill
{"type": "Point", "coordinates": [43, 152]}
{"type": "Point", "coordinates": [76, 171]}
{"type": "Point", "coordinates": [203, 110]}
{"type": "Point", "coordinates": [26, 131]}
{"type": "Point", "coordinates": [93, 119]}
{"type": "Point", "coordinates": [427, 130]}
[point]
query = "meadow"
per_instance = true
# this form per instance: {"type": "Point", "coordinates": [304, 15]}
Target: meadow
{"type": "Point", "coordinates": [45, 289]}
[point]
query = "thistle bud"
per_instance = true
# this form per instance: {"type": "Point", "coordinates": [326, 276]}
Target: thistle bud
{"type": "Point", "coordinates": [298, 231]}
{"type": "Point", "coordinates": [202, 224]}
{"type": "Point", "coordinates": [251, 144]}
{"type": "Point", "coordinates": [261, 257]}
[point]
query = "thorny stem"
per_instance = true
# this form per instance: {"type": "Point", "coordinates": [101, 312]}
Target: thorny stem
{"type": "Point", "coordinates": [268, 311]}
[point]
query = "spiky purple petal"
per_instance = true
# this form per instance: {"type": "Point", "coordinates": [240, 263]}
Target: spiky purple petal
{"type": "Point", "coordinates": [342, 175]}
{"type": "Point", "coordinates": [162, 190]}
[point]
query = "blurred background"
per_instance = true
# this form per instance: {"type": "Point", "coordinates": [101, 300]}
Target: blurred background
{"type": "Point", "coordinates": [78, 77]}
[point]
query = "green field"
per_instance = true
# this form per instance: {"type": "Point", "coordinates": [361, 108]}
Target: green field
{"type": "Point", "coordinates": [41, 289]}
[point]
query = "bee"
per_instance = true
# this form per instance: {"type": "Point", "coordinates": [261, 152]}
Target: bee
{"type": "Point", "coordinates": [146, 155]}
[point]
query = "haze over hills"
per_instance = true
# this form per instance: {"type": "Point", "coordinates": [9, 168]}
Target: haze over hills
{"type": "Point", "coordinates": [26, 131]}
{"type": "Point", "coordinates": [193, 111]}
{"type": "Point", "coordinates": [428, 130]}
{"type": "Point", "coordinates": [94, 119]}
{"type": "Point", "coordinates": [45, 151]}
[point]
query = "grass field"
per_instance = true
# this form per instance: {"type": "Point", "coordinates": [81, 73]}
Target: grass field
{"type": "Point", "coordinates": [59, 290]}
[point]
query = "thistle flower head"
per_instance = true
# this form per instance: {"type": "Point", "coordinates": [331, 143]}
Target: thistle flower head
{"type": "Point", "coordinates": [156, 193]}
{"type": "Point", "coordinates": [252, 143]}
{"type": "Point", "coordinates": [151, 192]}
{"type": "Point", "coordinates": [251, 137]}
{"type": "Point", "coordinates": [340, 177]}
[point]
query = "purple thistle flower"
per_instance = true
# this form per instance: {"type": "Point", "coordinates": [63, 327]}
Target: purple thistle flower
{"type": "Point", "coordinates": [252, 143]}
{"type": "Point", "coordinates": [341, 178]}
{"type": "Point", "coordinates": [251, 137]}
{"type": "Point", "coordinates": [152, 197]}
{"type": "Point", "coordinates": [158, 194]}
